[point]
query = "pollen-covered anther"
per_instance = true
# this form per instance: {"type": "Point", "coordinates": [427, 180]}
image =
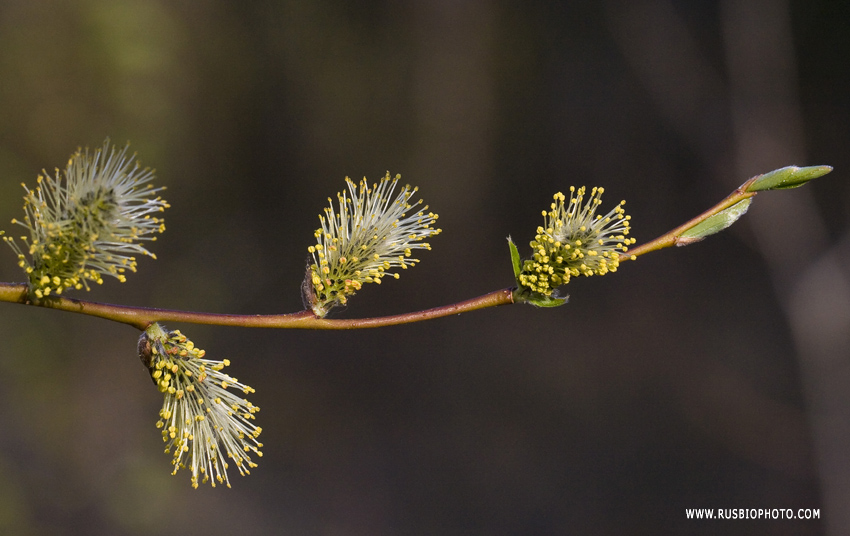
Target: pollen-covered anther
{"type": "Point", "coordinates": [575, 241]}
{"type": "Point", "coordinates": [366, 235]}
{"type": "Point", "coordinates": [86, 221]}
{"type": "Point", "coordinates": [196, 430]}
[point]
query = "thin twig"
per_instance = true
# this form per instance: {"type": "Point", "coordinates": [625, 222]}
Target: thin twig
{"type": "Point", "coordinates": [142, 317]}
{"type": "Point", "coordinates": [674, 237]}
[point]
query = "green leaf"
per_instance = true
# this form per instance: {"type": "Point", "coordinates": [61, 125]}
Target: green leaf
{"type": "Point", "coordinates": [716, 223]}
{"type": "Point", "coordinates": [515, 260]}
{"type": "Point", "coordinates": [524, 294]}
{"type": "Point", "coordinates": [787, 177]}
{"type": "Point", "coordinates": [540, 300]}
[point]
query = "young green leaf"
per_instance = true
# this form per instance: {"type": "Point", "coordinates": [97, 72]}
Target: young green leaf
{"type": "Point", "coordinates": [541, 300]}
{"type": "Point", "coordinates": [515, 259]}
{"type": "Point", "coordinates": [715, 224]}
{"type": "Point", "coordinates": [787, 177]}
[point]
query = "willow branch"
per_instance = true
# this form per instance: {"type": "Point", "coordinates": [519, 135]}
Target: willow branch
{"type": "Point", "coordinates": [142, 317]}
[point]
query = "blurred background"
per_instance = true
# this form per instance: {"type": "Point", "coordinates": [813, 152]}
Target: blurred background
{"type": "Point", "coordinates": [713, 376]}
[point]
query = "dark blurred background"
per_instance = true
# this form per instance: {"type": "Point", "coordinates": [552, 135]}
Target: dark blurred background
{"type": "Point", "coordinates": [714, 376]}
